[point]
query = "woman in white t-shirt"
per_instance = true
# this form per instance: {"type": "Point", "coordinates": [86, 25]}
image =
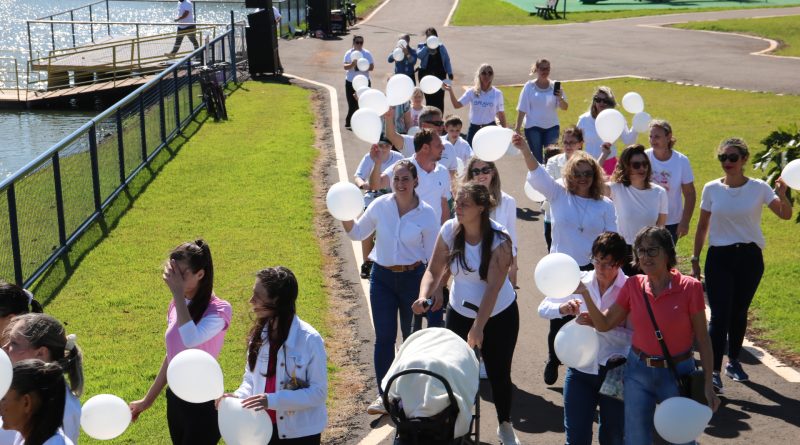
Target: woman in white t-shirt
{"type": "Point", "coordinates": [485, 101]}
{"type": "Point", "coordinates": [637, 202]}
{"type": "Point", "coordinates": [571, 141]}
{"type": "Point", "coordinates": [40, 336]}
{"type": "Point", "coordinates": [730, 214]}
{"type": "Point", "coordinates": [34, 403]}
{"type": "Point", "coordinates": [483, 304]}
{"type": "Point", "coordinates": [505, 214]}
{"type": "Point", "coordinates": [673, 172]}
{"type": "Point", "coordinates": [539, 102]}
{"type": "Point", "coordinates": [603, 99]}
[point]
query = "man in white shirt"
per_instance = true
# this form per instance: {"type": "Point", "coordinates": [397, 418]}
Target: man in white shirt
{"type": "Point", "coordinates": [429, 119]}
{"type": "Point", "coordinates": [186, 27]}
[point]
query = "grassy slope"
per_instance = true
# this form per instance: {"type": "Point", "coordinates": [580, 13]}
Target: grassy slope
{"type": "Point", "coordinates": [783, 29]}
{"type": "Point", "coordinates": [700, 118]}
{"type": "Point", "coordinates": [232, 184]}
{"type": "Point", "coordinates": [499, 12]}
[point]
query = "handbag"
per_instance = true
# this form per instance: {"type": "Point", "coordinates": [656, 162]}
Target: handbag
{"type": "Point", "coordinates": [692, 385]}
{"type": "Point", "coordinates": [614, 382]}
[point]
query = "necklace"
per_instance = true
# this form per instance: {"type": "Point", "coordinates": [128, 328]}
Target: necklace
{"type": "Point", "coordinates": [581, 211]}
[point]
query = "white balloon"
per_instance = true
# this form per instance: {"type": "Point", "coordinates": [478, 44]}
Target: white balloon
{"type": "Point", "coordinates": [105, 416]}
{"type": "Point", "coordinates": [609, 125]}
{"type": "Point", "coordinates": [366, 124]}
{"type": "Point", "coordinates": [791, 174]}
{"type": "Point", "coordinates": [360, 81]}
{"type": "Point", "coordinates": [195, 376]}
{"type": "Point", "coordinates": [433, 42]}
{"type": "Point", "coordinates": [362, 64]}
{"type": "Point", "coordinates": [633, 102]}
{"type": "Point", "coordinates": [557, 275]}
{"type": "Point", "coordinates": [375, 100]}
{"type": "Point", "coordinates": [399, 89]}
{"type": "Point", "coordinates": [402, 43]}
{"type": "Point", "coordinates": [243, 426]}
{"type": "Point", "coordinates": [6, 373]}
{"type": "Point", "coordinates": [512, 150]}
{"type": "Point", "coordinates": [490, 143]}
{"type": "Point", "coordinates": [345, 201]}
{"type": "Point", "coordinates": [413, 130]}
{"type": "Point", "coordinates": [681, 420]}
{"type": "Point", "coordinates": [362, 90]}
{"type": "Point", "coordinates": [430, 84]}
{"type": "Point", "coordinates": [641, 122]}
{"type": "Point", "coordinates": [397, 54]}
{"type": "Point", "coordinates": [355, 55]}
{"type": "Point", "coordinates": [533, 194]}
{"type": "Point", "coordinates": [576, 345]}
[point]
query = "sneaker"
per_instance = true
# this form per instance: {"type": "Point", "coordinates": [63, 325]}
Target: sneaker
{"type": "Point", "coordinates": [482, 372]}
{"type": "Point", "coordinates": [169, 55]}
{"type": "Point", "coordinates": [734, 370]}
{"type": "Point", "coordinates": [377, 407]}
{"type": "Point", "coordinates": [716, 381]}
{"type": "Point", "coordinates": [366, 269]}
{"type": "Point", "coordinates": [506, 434]}
{"type": "Point", "coordinates": [551, 371]}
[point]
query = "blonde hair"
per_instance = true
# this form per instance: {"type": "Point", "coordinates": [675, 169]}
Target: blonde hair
{"type": "Point", "coordinates": [609, 96]}
{"type": "Point", "coordinates": [596, 189]}
{"type": "Point", "coordinates": [667, 128]}
{"type": "Point", "coordinates": [537, 64]}
{"type": "Point", "coordinates": [477, 87]}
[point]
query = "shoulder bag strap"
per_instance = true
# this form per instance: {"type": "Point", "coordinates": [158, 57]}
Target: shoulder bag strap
{"type": "Point", "coordinates": [659, 336]}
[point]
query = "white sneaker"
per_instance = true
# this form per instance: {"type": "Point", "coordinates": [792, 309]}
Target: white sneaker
{"type": "Point", "coordinates": [506, 434]}
{"type": "Point", "coordinates": [482, 372]}
{"type": "Point", "coordinates": [377, 407]}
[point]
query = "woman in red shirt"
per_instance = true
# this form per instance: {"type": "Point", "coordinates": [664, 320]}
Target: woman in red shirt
{"type": "Point", "coordinates": [679, 310]}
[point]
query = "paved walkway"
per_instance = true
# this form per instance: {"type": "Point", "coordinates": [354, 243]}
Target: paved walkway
{"type": "Point", "coordinates": [765, 411]}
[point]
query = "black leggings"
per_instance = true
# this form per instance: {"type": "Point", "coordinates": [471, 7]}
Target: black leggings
{"type": "Point", "coordinates": [191, 423]}
{"type": "Point", "coordinates": [316, 439]}
{"type": "Point", "coordinates": [499, 341]}
{"type": "Point", "coordinates": [557, 323]}
{"type": "Point", "coordinates": [732, 276]}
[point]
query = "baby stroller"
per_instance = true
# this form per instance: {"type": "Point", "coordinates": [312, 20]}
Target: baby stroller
{"type": "Point", "coordinates": [431, 390]}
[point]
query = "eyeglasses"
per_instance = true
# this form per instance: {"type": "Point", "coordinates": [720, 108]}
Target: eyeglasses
{"type": "Point", "coordinates": [571, 143]}
{"type": "Point", "coordinates": [649, 251]}
{"type": "Point", "coordinates": [485, 170]}
{"type": "Point", "coordinates": [358, 42]}
{"type": "Point", "coordinates": [583, 174]}
{"type": "Point", "coordinates": [487, 73]}
{"type": "Point", "coordinates": [601, 265]}
{"type": "Point", "coordinates": [434, 123]}
{"type": "Point", "coordinates": [636, 165]}
{"type": "Point", "coordinates": [602, 100]}
{"type": "Point", "coordinates": [733, 157]}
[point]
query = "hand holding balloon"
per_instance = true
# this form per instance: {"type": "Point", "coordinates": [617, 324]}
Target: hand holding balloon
{"type": "Point", "coordinates": [571, 307]}
{"type": "Point", "coordinates": [584, 319]}
{"type": "Point", "coordinates": [258, 402]}
{"type": "Point", "coordinates": [217, 402]}
{"type": "Point", "coordinates": [780, 187]}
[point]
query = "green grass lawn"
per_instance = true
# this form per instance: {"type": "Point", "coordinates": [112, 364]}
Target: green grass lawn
{"type": "Point", "coordinates": [701, 117]}
{"type": "Point", "coordinates": [364, 7]}
{"type": "Point", "coordinates": [783, 29]}
{"type": "Point", "coordinates": [243, 185]}
{"type": "Point", "coordinates": [500, 12]}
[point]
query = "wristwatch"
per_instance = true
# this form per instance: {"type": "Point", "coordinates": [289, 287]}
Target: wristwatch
{"type": "Point", "coordinates": [695, 259]}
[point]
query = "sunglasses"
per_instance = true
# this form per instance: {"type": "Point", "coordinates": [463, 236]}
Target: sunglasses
{"type": "Point", "coordinates": [583, 174]}
{"type": "Point", "coordinates": [487, 73]}
{"type": "Point", "coordinates": [602, 100]}
{"type": "Point", "coordinates": [358, 42]}
{"type": "Point", "coordinates": [434, 123]}
{"type": "Point", "coordinates": [477, 171]}
{"type": "Point", "coordinates": [649, 251]}
{"type": "Point", "coordinates": [636, 165]}
{"type": "Point", "coordinates": [733, 157]}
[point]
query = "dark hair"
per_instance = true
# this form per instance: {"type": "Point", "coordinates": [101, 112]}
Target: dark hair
{"type": "Point", "coordinates": [15, 300]}
{"type": "Point", "coordinates": [424, 136]}
{"type": "Point", "coordinates": [494, 187]}
{"type": "Point", "coordinates": [573, 130]}
{"type": "Point", "coordinates": [738, 143]}
{"type": "Point", "coordinates": [42, 330]}
{"type": "Point", "coordinates": [660, 236]}
{"type": "Point", "coordinates": [431, 32]}
{"type": "Point", "coordinates": [427, 112]}
{"type": "Point", "coordinates": [406, 164]}
{"type": "Point", "coordinates": [453, 119]}
{"type": "Point", "coordinates": [197, 255]}
{"type": "Point", "coordinates": [481, 196]}
{"type": "Point", "coordinates": [281, 285]}
{"type": "Point", "coordinates": [622, 172]}
{"type": "Point", "coordinates": [610, 244]}
{"type": "Point", "coordinates": [44, 381]}
{"type": "Point", "coordinates": [550, 151]}
{"type": "Point", "coordinates": [357, 36]}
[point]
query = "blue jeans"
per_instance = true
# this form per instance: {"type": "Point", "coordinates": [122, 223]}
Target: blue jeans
{"type": "Point", "coordinates": [390, 293]}
{"type": "Point", "coordinates": [644, 388]}
{"type": "Point", "coordinates": [538, 138]}
{"type": "Point", "coordinates": [581, 399]}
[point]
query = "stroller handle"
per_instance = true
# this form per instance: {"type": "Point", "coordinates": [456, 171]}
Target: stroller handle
{"type": "Point", "coordinates": [447, 387]}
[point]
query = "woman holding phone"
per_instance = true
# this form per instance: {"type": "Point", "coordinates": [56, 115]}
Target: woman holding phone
{"type": "Point", "coordinates": [539, 102]}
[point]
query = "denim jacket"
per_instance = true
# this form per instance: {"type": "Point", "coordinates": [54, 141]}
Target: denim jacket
{"type": "Point", "coordinates": [423, 52]}
{"type": "Point", "coordinates": [299, 412]}
{"type": "Point", "coordinates": [405, 66]}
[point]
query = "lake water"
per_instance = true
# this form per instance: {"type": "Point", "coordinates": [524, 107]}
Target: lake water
{"type": "Point", "coordinates": [26, 134]}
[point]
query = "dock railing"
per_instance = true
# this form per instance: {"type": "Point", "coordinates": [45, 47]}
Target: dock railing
{"type": "Point", "coordinates": [47, 205]}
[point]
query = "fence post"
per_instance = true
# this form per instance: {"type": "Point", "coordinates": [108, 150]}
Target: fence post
{"type": "Point", "coordinates": [143, 133]}
{"type": "Point", "coordinates": [95, 166]}
{"type": "Point", "coordinates": [14, 229]}
{"type": "Point", "coordinates": [177, 99]}
{"type": "Point", "coordinates": [72, 24]}
{"type": "Point", "coordinates": [233, 49]}
{"type": "Point", "coordinates": [120, 147]}
{"type": "Point", "coordinates": [189, 77]}
{"type": "Point", "coordinates": [161, 112]}
{"type": "Point", "coordinates": [52, 34]}
{"type": "Point", "coordinates": [91, 23]}
{"type": "Point", "coordinates": [108, 19]}
{"type": "Point", "coordinates": [62, 226]}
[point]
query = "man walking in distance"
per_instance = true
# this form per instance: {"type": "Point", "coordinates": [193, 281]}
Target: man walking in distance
{"type": "Point", "coordinates": [186, 27]}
